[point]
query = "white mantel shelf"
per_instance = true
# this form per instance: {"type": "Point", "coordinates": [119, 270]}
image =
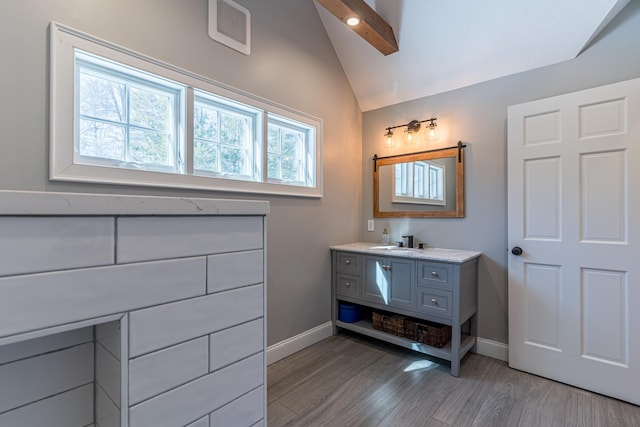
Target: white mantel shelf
{"type": "Point", "coordinates": [427, 254]}
{"type": "Point", "coordinates": [49, 203]}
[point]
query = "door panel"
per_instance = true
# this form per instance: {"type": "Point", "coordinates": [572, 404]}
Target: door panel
{"type": "Point", "coordinates": [542, 198]}
{"type": "Point", "coordinates": [603, 202]}
{"type": "Point", "coordinates": [605, 329]}
{"type": "Point", "coordinates": [543, 295]}
{"type": "Point", "coordinates": [574, 293]}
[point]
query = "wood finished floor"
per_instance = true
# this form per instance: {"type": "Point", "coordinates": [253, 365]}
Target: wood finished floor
{"type": "Point", "coordinates": [348, 380]}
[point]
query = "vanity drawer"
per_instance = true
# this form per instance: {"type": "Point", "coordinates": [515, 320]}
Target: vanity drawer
{"type": "Point", "coordinates": [435, 301]}
{"type": "Point", "coordinates": [348, 263]}
{"type": "Point", "coordinates": [435, 274]}
{"type": "Point", "coordinates": [348, 285]}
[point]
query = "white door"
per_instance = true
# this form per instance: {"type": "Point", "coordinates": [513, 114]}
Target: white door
{"type": "Point", "coordinates": [574, 210]}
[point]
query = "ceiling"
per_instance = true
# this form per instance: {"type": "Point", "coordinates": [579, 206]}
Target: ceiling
{"type": "Point", "coordinates": [445, 45]}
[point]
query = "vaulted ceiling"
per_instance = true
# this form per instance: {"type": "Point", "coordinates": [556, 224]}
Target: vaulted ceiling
{"type": "Point", "coordinates": [449, 44]}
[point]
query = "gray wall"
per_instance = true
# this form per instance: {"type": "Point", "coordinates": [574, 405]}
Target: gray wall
{"type": "Point", "coordinates": [478, 115]}
{"type": "Point", "coordinates": [292, 62]}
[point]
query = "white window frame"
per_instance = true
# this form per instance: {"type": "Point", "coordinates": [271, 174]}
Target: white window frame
{"type": "Point", "coordinates": [306, 148]}
{"type": "Point", "coordinates": [63, 43]}
{"type": "Point", "coordinates": [115, 71]}
{"type": "Point", "coordinates": [255, 172]}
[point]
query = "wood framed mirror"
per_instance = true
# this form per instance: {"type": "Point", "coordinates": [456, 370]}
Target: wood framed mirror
{"type": "Point", "coordinates": [420, 185]}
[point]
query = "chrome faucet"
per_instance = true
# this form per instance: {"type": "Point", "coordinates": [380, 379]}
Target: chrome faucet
{"type": "Point", "coordinates": [409, 241]}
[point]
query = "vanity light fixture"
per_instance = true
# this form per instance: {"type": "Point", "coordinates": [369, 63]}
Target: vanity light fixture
{"type": "Point", "coordinates": [411, 131]}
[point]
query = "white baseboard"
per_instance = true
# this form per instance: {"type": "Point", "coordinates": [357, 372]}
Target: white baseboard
{"type": "Point", "coordinates": [292, 345]}
{"type": "Point", "coordinates": [494, 349]}
{"type": "Point", "coordinates": [285, 348]}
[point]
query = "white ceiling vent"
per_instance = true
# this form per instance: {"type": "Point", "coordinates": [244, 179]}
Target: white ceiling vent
{"type": "Point", "coordinates": [230, 24]}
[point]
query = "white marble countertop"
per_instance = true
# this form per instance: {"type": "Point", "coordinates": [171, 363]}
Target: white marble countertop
{"type": "Point", "coordinates": [50, 203]}
{"type": "Point", "coordinates": [427, 254]}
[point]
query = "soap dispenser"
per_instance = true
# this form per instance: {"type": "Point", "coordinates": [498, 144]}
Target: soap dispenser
{"type": "Point", "coordinates": [385, 237]}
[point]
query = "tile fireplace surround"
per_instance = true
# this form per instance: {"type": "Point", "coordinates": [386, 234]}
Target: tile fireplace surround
{"type": "Point", "coordinates": [131, 311]}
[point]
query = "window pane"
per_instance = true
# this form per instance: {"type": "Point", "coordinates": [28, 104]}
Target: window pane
{"type": "Point", "coordinates": [102, 140]}
{"type": "Point", "coordinates": [234, 129]}
{"type": "Point", "coordinates": [150, 109]}
{"type": "Point", "coordinates": [290, 169]}
{"type": "Point", "coordinates": [205, 156]}
{"type": "Point", "coordinates": [403, 183]}
{"type": "Point", "coordinates": [274, 167]}
{"type": "Point", "coordinates": [205, 123]}
{"type": "Point", "coordinates": [420, 178]}
{"type": "Point", "coordinates": [149, 147]}
{"type": "Point", "coordinates": [233, 161]}
{"type": "Point", "coordinates": [437, 182]}
{"type": "Point", "coordinates": [224, 138]}
{"type": "Point", "coordinates": [290, 155]}
{"type": "Point", "coordinates": [291, 143]}
{"type": "Point", "coordinates": [274, 140]}
{"type": "Point", "coordinates": [101, 97]}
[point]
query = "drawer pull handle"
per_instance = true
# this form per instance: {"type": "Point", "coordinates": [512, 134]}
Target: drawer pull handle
{"type": "Point", "coordinates": [347, 261]}
{"type": "Point", "coordinates": [347, 284]}
{"type": "Point", "coordinates": [434, 274]}
{"type": "Point", "coordinates": [434, 301]}
{"type": "Point", "coordinates": [386, 267]}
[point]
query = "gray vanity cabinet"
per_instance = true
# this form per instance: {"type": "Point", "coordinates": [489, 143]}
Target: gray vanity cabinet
{"type": "Point", "coordinates": [437, 285]}
{"type": "Point", "coordinates": [389, 281]}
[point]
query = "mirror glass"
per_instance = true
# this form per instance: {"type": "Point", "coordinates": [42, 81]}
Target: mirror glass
{"type": "Point", "coordinates": [428, 184]}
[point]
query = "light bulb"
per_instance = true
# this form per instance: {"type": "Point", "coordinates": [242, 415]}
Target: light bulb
{"type": "Point", "coordinates": [388, 138]}
{"type": "Point", "coordinates": [410, 137]}
{"type": "Point", "coordinates": [432, 133]}
{"type": "Point", "coordinates": [411, 133]}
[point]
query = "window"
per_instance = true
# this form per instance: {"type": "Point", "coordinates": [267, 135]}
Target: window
{"type": "Point", "coordinates": [420, 182]}
{"type": "Point", "coordinates": [224, 136]}
{"type": "Point", "coordinates": [125, 118]}
{"type": "Point", "coordinates": [120, 117]}
{"type": "Point", "coordinates": [290, 152]}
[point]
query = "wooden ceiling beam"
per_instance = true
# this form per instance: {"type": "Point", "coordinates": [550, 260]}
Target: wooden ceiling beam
{"type": "Point", "coordinates": [372, 27]}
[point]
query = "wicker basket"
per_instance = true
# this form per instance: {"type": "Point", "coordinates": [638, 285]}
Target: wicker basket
{"type": "Point", "coordinates": [390, 323]}
{"type": "Point", "coordinates": [429, 333]}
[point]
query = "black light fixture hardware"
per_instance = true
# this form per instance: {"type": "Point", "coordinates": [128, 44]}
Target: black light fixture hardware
{"type": "Point", "coordinates": [411, 129]}
{"type": "Point", "coordinates": [459, 146]}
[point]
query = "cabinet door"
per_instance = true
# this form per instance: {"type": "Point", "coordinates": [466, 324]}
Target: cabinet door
{"type": "Point", "coordinates": [389, 281]}
{"type": "Point", "coordinates": [376, 280]}
{"type": "Point", "coordinates": [402, 283]}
